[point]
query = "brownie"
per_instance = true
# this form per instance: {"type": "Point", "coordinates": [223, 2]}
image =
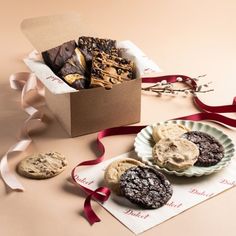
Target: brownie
{"type": "Point", "coordinates": [210, 150]}
{"type": "Point", "coordinates": [108, 70]}
{"type": "Point", "coordinates": [90, 45]}
{"type": "Point", "coordinates": [146, 187]}
{"type": "Point", "coordinates": [74, 71]}
{"type": "Point", "coordinates": [56, 57]}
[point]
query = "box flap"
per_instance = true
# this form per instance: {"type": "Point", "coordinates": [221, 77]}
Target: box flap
{"type": "Point", "coordinates": [50, 31]}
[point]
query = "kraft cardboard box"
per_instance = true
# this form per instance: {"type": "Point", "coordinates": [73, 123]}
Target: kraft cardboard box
{"type": "Point", "coordinates": [90, 110]}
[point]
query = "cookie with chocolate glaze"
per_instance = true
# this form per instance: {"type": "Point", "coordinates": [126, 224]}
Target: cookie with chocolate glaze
{"type": "Point", "coordinates": [210, 150]}
{"type": "Point", "coordinates": [146, 187]}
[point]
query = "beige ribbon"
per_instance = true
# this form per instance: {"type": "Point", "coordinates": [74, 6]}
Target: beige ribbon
{"type": "Point", "coordinates": [26, 82]}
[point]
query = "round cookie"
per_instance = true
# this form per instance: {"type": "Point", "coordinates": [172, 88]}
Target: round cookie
{"type": "Point", "coordinates": [171, 131]}
{"type": "Point", "coordinates": [175, 154]}
{"type": "Point", "coordinates": [146, 187]}
{"type": "Point", "coordinates": [211, 151]}
{"type": "Point", "coordinates": [115, 170]}
{"type": "Point", "coordinates": [42, 165]}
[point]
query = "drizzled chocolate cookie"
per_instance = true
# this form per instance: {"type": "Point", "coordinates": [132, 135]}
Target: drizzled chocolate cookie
{"type": "Point", "coordinates": [210, 150]}
{"type": "Point", "coordinates": [108, 70]}
{"type": "Point", "coordinates": [145, 186]}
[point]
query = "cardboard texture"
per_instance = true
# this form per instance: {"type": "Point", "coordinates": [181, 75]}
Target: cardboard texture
{"type": "Point", "coordinates": [89, 110]}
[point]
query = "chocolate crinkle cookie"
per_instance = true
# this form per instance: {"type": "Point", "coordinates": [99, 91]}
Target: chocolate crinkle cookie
{"type": "Point", "coordinates": [210, 150]}
{"type": "Point", "coordinates": [146, 187]}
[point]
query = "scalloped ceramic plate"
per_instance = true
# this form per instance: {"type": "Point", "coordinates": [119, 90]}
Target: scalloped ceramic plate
{"type": "Point", "coordinates": [144, 143]}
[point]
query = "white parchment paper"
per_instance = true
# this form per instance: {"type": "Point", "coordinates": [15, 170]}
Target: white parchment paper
{"type": "Point", "coordinates": [187, 192]}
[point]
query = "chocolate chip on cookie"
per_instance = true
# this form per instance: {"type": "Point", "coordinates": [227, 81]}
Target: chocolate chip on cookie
{"type": "Point", "coordinates": [42, 165]}
{"type": "Point", "coordinates": [211, 151]}
{"type": "Point", "coordinates": [175, 154]}
{"type": "Point", "coordinates": [146, 187]}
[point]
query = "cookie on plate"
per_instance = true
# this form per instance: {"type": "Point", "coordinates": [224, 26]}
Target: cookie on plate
{"type": "Point", "coordinates": [211, 151]}
{"type": "Point", "coordinates": [42, 165]}
{"type": "Point", "coordinates": [170, 131]}
{"type": "Point", "coordinates": [175, 154]}
{"type": "Point", "coordinates": [115, 170]}
{"type": "Point", "coordinates": [146, 187]}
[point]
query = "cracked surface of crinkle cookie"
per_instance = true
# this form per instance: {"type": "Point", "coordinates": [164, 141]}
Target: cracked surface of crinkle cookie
{"type": "Point", "coordinates": [211, 151]}
{"type": "Point", "coordinates": [115, 170]}
{"type": "Point", "coordinates": [42, 165]}
{"type": "Point", "coordinates": [175, 154]}
{"type": "Point", "coordinates": [171, 131]}
{"type": "Point", "coordinates": [146, 187]}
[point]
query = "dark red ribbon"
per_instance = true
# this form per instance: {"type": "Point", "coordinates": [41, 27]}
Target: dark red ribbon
{"type": "Point", "coordinates": [102, 194]}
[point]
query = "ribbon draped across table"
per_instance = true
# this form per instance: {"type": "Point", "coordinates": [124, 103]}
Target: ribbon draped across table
{"type": "Point", "coordinates": [102, 193]}
{"type": "Point", "coordinates": [209, 113]}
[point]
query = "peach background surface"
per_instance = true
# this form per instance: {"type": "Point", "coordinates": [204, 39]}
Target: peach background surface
{"type": "Point", "coordinates": [182, 36]}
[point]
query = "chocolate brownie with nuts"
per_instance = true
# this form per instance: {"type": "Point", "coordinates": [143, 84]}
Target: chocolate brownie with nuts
{"type": "Point", "coordinates": [108, 70]}
{"type": "Point", "coordinates": [91, 45]}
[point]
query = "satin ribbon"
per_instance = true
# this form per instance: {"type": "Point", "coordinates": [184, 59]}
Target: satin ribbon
{"type": "Point", "coordinates": [26, 82]}
{"type": "Point", "coordinates": [209, 113]}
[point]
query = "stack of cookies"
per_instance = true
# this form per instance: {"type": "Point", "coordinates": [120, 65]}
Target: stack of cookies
{"type": "Point", "coordinates": [93, 62]}
{"type": "Point", "coordinates": [141, 185]}
{"type": "Point", "coordinates": [178, 148]}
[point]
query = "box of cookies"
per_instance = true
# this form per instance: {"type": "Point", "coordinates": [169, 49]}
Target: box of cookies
{"type": "Point", "coordinates": [92, 83]}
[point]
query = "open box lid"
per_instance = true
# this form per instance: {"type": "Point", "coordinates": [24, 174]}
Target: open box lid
{"type": "Point", "coordinates": [50, 31]}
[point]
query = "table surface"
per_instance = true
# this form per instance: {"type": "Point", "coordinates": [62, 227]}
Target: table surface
{"type": "Point", "coordinates": [182, 36]}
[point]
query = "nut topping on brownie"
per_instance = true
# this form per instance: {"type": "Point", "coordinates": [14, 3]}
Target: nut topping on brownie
{"type": "Point", "coordinates": [90, 45]}
{"type": "Point", "coordinates": [108, 70]}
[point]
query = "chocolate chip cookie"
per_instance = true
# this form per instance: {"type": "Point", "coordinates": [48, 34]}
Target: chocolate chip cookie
{"type": "Point", "coordinates": [42, 165]}
{"type": "Point", "coordinates": [175, 154]}
{"type": "Point", "coordinates": [146, 187]}
{"type": "Point", "coordinates": [171, 131]}
{"type": "Point", "coordinates": [211, 151]}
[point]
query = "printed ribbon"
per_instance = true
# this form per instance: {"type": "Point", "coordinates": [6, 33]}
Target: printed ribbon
{"type": "Point", "coordinates": [28, 81]}
{"type": "Point", "coordinates": [209, 113]}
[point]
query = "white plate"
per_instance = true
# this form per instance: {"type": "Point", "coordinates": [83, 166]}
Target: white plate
{"type": "Point", "coordinates": [144, 143]}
